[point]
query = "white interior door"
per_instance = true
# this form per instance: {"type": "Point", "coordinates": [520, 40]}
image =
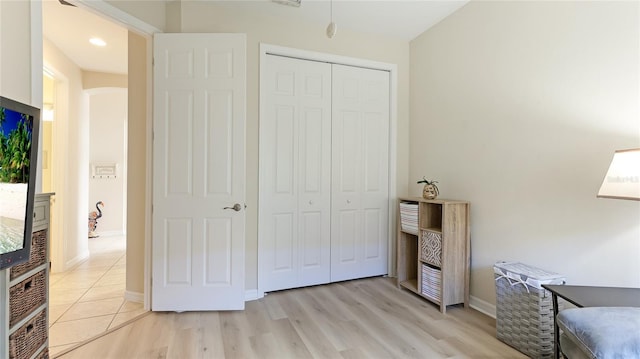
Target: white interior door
{"type": "Point", "coordinates": [295, 165]}
{"type": "Point", "coordinates": [360, 172]}
{"type": "Point", "coordinates": [198, 169]}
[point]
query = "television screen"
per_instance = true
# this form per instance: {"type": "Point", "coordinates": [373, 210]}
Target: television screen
{"type": "Point", "coordinates": [19, 124]}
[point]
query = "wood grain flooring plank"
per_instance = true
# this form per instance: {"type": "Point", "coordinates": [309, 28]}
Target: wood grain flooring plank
{"type": "Point", "coordinates": [325, 319]}
{"type": "Point", "coordinates": [306, 326]}
{"type": "Point", "coordinates": [273, 306]}
{"type": "Point", "coordinates": [406, 327]}
{"type": "Point", "coordinates": [415, 329]}
{"type": "Point", "coordinates": [236, 330]}
{"type": "Point", "coordinates": [291, 343]}
{"type": "Point", "coordinates": [368, 318]}
{"type": "Point", "coordinates": [385, 332]}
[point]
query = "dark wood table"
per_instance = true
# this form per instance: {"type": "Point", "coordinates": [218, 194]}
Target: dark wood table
{"type": "Point", "coordinates": [586, 296]}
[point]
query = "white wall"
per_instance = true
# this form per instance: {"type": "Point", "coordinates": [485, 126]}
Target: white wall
{"type": "Point", "coordinates": [107, 144]}
{"type": "Point", "coordinates": [518, 107]}
{"type": "Point", "coordinates": [71, 140]}
{"type": "Point", "coordinates": [15, 50]}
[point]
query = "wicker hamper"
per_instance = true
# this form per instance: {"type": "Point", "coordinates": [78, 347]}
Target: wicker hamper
{"type": "Point", "coordinates": [524, 310]}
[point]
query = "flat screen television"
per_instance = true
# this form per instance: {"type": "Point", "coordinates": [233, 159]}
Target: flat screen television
{"type": "Point", "coordinates": [19, 126]}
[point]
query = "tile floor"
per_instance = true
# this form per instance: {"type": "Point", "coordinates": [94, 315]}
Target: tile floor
{"type": "Point", "coordinates": [89, 299]}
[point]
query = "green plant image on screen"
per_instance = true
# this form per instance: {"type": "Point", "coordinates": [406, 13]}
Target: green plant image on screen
{"type": "Point", "coordinates": [15, 149]}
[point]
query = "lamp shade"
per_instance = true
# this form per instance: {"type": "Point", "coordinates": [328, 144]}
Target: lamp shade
{"type": "Point", "coordinates": [623, 177]}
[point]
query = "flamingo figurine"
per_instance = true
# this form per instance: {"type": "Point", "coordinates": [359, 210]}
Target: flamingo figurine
{"type": "Point", "coordinates": [93, 219]}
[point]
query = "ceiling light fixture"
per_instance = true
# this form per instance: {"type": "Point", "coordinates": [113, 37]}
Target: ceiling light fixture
{"type": "Point", "coordinates": [332, 28]}
{"type": "Point", "coordinates": [97, 42]}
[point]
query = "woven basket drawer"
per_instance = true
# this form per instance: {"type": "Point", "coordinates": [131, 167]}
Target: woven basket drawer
{"type": "Point", "coordinates": [24, 342]}
{"type": "Point", "coordinates": [37, 255]}
{"type": "Point", "coordinates": [44, 354]}
{"type": "Point", "coordinates": [26, 296]}
{"type": "Point", "coordinates": [431, 283]}
{"type": "Point", "coordinates": [431, 247]}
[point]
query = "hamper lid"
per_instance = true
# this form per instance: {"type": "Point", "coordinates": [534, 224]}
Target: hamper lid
{"type": "Point", "coordinates": [530, 275]}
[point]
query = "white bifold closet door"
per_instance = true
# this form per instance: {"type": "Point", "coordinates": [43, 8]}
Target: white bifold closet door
{"type": "Point", "coordinates": [360, 173]}
{"type": "Point", "coordinates": [324, 154]}
{"type": "Point", "coordinates": [295, 164]}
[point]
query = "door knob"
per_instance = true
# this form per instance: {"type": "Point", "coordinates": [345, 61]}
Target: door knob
{"type": "Point", "coordinates": [236, 207]}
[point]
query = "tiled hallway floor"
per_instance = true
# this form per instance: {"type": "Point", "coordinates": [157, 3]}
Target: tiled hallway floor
{"type": "Point", "coordinates": [89, 299]}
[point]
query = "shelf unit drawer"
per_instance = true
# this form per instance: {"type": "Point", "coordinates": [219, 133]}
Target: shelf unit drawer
{"type": "Point", "coordinates": [40, 214]}
{"type": "Point", "coordinates": [409, 217]}
{"type": "Point", "coordinates": [37, 255]}
{"type": "Point", "coordinates": [431, 283]}
{"type": "Point", "coordinates": [27, 339]}
{"type": "Point", "coordinates": [26, 296]}
{"type": "Point", "coordinates": [431, 247]}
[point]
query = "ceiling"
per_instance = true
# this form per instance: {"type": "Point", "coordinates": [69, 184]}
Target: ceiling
{"type": "Point", "coordinates": [70, 28]}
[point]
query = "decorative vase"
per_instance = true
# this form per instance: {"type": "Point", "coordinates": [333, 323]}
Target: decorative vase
{"type": "Point", "coordinates": [429, 192]}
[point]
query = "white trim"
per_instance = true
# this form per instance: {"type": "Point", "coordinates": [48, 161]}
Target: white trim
{"type": "Point", "coordinates": [36, 73]}
{"type": "Point", "coordinates": [57, 251]}
{"type": "Point", "coordinates": [36, 55]}
{"type": "Point", "coordinates": [251, 294]}
{"type": "Point", "coordinates": [123, 18]}
{"type": "Point", "coordinates": [135, 297]}
{"type": "Point", "coordinates": [110, 234]}
{"type": "Point", "coordinates": [482, 306]}
{"type": "Point", "coordinates": [70, 264]}
{"type": "Point", "coordinates": [266, 49]}
{"type": "Point", "coordinates": [149, 177]}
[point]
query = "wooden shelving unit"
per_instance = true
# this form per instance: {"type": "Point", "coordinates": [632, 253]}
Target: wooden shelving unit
{"type": "Point", "coordinates": [434, 261]}
{"type": "Point", "coordinates": [24, 294]}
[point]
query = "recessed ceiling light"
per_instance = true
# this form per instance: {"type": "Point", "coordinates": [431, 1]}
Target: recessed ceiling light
{"type": "Point", "coordinates": [97, 41]}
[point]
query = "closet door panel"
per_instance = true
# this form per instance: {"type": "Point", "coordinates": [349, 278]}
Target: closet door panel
{"type": "Point", "coordinates": [314, 189]}
{"type": "Point", "coordinates": [295, 157]}
{"type": "Point", "coordinates": [360, 165]}
{"type": "Point", "coordinates": [346, 251]}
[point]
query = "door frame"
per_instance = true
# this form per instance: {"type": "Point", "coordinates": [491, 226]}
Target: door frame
{"type": "Point", "coordinates": [268, 49]}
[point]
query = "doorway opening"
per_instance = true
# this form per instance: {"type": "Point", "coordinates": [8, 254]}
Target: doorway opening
{"type": "Point", "coordinates": [84, 162]}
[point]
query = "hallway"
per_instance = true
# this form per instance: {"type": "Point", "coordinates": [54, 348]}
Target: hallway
{"type": "Point", "coordinates": [89, 299]}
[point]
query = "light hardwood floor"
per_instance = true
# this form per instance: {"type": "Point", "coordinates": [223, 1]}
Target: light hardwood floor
{"type": "Point", "coordinates": [368, 318]}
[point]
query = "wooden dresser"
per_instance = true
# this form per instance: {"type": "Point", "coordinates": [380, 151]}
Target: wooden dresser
{"type": "Point", "coordinates": [24, 294]}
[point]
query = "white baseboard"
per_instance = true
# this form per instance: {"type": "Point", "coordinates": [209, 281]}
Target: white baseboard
{"type": "Point", "coordinates": [111, 234]}
{"type": "Point", "coordinates": [482, 306]}
{"type": "Point", "coordinates": [75, 261]}
{"type": "Point", "coordinates": [251, 294]}
{"type": "Point", "coordinates": [136, 297]}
